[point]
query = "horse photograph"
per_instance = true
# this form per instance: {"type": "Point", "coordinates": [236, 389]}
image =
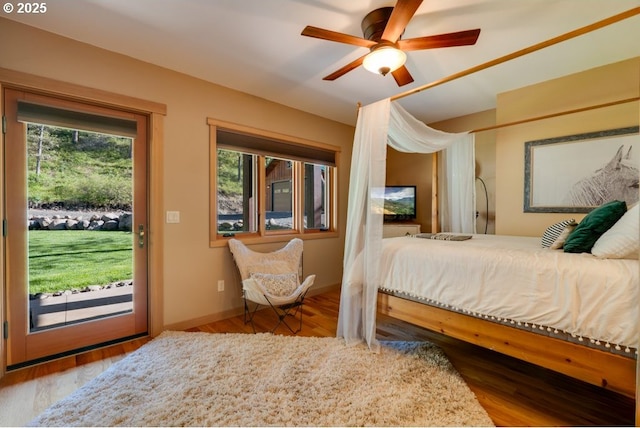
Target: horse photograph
{"type": "Point", "coordinates": [579, 173]}
{"type": "Point", "coordinates": [616, 180]}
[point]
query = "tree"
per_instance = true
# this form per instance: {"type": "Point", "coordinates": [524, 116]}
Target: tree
{"type": "Point", "coordinates": [78, 168]}
{"type": "Point", "coordinates": [39, 155]}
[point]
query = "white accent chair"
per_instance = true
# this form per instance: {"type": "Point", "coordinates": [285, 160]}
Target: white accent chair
{"type": "Point", "coordinates": [272, 279]}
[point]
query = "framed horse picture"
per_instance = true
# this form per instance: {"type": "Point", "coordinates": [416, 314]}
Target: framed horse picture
{"type": "Point", "coordinates": [576, 173]}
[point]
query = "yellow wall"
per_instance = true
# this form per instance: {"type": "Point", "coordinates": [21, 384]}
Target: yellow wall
{"type": "Point", "coordinates": [191, 267]}
{"type": "Point", "coordinates": [589, 88]}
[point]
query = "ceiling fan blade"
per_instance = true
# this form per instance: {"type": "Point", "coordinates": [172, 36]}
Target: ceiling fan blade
{"type": "Point", "coordinates": [402, 76]}
{"type": "Point", "coordinates": [460, 38]}
{"type": "Point", "coordinates": [402, 13]}
{"type": "Point", "coordinates": [344, 70]}
{"type": "Point", "coordinates": [334, 36]}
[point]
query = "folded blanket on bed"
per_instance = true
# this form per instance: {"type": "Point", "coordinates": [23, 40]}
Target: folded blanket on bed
{"type": "Point", "coordinates": [443, 236]}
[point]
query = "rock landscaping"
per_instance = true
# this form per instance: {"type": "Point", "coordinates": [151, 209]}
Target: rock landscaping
{"type": "Point", "coordinates": [107, 222]}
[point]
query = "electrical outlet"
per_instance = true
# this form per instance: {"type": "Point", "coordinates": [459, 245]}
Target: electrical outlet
{"type": "Point", "coordinates": [221, 285]}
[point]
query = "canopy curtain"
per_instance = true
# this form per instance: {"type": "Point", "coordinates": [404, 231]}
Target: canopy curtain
{"type": "Point", "coordinates": [379, 124]}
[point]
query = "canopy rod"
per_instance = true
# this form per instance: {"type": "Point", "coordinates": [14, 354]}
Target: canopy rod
{"type": "Point", "coordinates": [570, 35]}
{"type": "Point", "coordinates": [551, 115]}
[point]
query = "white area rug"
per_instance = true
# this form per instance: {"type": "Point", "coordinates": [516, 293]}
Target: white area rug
{"type": "Point", "coordinates": [203, 379]}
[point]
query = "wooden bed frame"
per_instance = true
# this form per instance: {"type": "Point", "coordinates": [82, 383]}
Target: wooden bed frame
{"type": "Point", "coordinates": [606, 369]}
{"type": "Point", "coordinates": [612, 371]}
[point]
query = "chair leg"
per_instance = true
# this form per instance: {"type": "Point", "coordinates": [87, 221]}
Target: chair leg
{"type": "Point", "coordinates": [282, 312]}
{"type": "Point", "coordinates": [248, 314]}
{"type": "Point", "coordinates": [285, 310]}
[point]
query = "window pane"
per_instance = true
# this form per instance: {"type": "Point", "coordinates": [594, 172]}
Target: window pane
{"type": "Point", "coordinates": [236, 190]}
{"type": "Point", "coordinates": [279, 193]}
{"type": "Point", "coordinates": [316, 198]}
{"type": "Point", "coordinates": [284, 185]}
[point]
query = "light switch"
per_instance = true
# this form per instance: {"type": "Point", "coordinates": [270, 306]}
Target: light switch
{"type": "Point", "coordinates": [173, 216]}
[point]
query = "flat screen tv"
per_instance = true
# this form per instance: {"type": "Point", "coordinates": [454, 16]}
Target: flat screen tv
{"type": "Point", "coordinates": [399, 203]}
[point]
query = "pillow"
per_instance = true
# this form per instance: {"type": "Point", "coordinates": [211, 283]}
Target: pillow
{"type": "Point", "coordinates": [281, 285]}
{"type": "Point", "coordinates": [622, 241]}
{"type": "Point", "coordinates": [593, 226]}
{"type": "Point", "coordinates": [559, 242]}
{"type": "Point", "coordinates": [555, 231]}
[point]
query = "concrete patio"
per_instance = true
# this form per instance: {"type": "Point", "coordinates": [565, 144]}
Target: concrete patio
{"type": "Point", "coordinates": [73, 308]}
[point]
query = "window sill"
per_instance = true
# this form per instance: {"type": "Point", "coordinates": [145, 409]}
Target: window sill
{"type": "Point", "coordinates": [255, 239]}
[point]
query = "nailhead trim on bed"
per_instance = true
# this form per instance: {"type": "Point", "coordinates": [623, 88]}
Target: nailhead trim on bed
{"type": "Point", "coordinates": [534, 328]}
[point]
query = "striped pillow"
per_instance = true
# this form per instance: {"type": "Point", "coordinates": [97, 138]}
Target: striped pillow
{"type": "Point", "coordinates": [556, 234]}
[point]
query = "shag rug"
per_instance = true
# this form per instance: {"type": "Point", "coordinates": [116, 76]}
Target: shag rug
{"type": "Point", "coordinates": [205, 379]}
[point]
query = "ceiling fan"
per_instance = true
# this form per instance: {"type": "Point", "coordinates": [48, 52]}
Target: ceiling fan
{"type": "Point", "coordinates": [382, 29]}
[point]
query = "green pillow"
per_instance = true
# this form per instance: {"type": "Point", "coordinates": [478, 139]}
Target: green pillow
{"type": "Point", "coordinates": [594, 225]}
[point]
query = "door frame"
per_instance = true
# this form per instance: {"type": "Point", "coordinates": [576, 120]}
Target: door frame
{"type": "Point", "coordinates": [155, 232]}
{"type": "Point", "coordinates": [25, 344]}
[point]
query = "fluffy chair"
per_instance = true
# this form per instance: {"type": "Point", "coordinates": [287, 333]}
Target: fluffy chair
{"type": "Point", "coordinates": [272, 279]}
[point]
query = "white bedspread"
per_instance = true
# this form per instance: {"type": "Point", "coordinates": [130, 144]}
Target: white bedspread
{"type": "Point", "coordinates": [515, 278]}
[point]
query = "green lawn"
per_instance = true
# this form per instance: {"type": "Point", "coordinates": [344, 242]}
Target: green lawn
{"type": "Point", "coordinates": [62, 260]}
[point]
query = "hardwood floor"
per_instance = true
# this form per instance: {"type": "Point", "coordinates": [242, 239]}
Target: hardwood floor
{"type": "Point", "coordinates": [514, 393]}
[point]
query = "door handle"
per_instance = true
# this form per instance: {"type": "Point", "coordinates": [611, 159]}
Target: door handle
{"type": "Point", "coordinates": [141, 236]}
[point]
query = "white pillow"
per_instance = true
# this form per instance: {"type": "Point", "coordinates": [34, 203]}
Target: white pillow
{"type": "Point", "coordinates": [281, 285]}
{"type": "Point", "coordinates": [622, 241]}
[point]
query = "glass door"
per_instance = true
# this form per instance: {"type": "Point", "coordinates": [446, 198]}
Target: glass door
{"type": "Point", "coordinates": [76, 216]}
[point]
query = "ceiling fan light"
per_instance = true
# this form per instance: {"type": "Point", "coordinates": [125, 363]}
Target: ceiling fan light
{"type": "Point", "coordinates": [384, 60]}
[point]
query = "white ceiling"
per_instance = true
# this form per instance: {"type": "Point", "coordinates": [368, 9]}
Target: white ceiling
{"type": "Point", "coordinates": [255, 46]}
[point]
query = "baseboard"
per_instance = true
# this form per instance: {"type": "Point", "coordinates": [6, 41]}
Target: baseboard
{"type": "Point", "coordinates": [313, 291]}
{"type": "Point", "coordinates": [195, 322]}
{"type": "Point", "coordinates": [218, 316]}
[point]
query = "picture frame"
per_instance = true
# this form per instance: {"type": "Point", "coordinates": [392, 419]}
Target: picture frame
{"type": "Point", "coordinates": [576, 173]}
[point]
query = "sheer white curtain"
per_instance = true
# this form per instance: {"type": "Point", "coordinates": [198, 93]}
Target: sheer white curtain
{"type": "Point", "coordinates": [380, 124]}
{"type": "Point", "coordinates": [456, 189]}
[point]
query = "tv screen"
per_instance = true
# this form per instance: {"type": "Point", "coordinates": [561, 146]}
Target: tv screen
{"type": "Point", "coordinates": [399, 203]}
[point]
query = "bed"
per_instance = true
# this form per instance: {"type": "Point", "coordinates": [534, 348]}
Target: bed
{"type": "Point", "coordinates": [572, 313]}
{"type": "Point", "coordinates": [584, 329]}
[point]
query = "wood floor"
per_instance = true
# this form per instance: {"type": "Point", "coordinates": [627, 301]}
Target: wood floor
{"type": "Point", "coordinates": [513, 393]}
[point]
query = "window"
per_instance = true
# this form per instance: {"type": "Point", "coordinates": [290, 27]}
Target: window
{"type": "Point", "coordinates": [316, 197]}
{"type": "Point", "coordinates": [266, 185]}
{"type": "Point", "coordinates": [236, 207]}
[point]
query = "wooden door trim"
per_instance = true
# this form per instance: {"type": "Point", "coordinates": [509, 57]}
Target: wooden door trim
{"type": "Point", "coordinates": [155, 231]}
{"type": "Point", "coordinates": [13, 214]}
{"type": "Point", "coordinates": [72, 91]}
{"type": "Point", "coordinates": [24, 344]}
{"type": "Point", "coordinates": [84, 336]}
{"type": "Point", "coordinates": [3, 342]}
{"type": "Point", "coordinates": [155, 239]}
{"type": "Point", "coordinates": [156, 112]}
